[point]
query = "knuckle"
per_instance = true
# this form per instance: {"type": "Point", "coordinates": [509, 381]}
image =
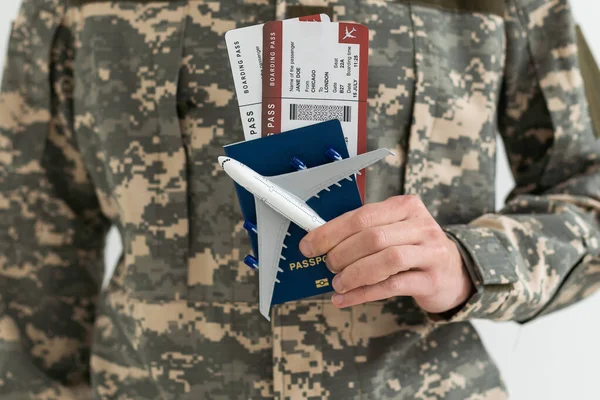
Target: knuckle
{"type": "Point", "coordinates": [377, 238]}
{"type": "Point", "coordinates": [361, 220]}
{"type": "Point", "coordinates": [318, 237]}
{"type": "Point", "coordinates": [353, 277]}
{"type": "Point", "coordinates": [414, 203]}
{"type": "Point", "coordinates": [397, 201]}
{"type": "Point", "coordinates": [395, 256]}
{"type": "Point", "coordinates": [394, 283]}
{"type": "Point", "coordinates": [432, 231]}
{"type": "Point", "coordinates": [412, 200]}
{"type": "Point", "coordinates": [442, 252]}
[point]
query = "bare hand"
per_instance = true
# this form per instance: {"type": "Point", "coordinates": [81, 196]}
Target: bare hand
{"type": "Point", "coordinates": [388, 249]}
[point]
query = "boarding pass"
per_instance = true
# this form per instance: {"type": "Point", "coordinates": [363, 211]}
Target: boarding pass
{"type": "Point", "coordinates": [244, 46]}
{"type": "Point", "coordinates": [314, 73]}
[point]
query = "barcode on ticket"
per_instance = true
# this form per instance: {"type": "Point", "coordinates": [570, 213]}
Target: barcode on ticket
{"type": "Point", "coordinates": [313, 112]}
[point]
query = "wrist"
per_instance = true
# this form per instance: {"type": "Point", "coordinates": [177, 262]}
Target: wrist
{"type": "Point", "coordinates": [466, 283]}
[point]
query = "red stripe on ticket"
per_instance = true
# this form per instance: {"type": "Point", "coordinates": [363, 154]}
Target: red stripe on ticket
{"type": "Point", "coordinates": [272, 81]}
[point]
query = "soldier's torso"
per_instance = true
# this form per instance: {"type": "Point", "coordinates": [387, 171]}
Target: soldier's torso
{"type": "Point", "coordinates": [155, 105]}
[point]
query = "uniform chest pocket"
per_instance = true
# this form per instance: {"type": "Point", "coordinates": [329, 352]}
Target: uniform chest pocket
{"type": "Point", "coordinates": [459, 62]}
{"type": "Point", "coordinates": [128, 129]}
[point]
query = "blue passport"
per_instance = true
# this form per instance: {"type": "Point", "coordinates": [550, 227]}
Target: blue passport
{"type": "Point", "coordinates": [272, 155]}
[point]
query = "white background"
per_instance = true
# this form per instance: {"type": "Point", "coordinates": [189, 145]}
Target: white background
{"type": "Point", "coordinates": [553, 358]}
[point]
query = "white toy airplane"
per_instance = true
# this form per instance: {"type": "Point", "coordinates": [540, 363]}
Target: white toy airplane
{"type": "Point", "coordinates": [281, 199]}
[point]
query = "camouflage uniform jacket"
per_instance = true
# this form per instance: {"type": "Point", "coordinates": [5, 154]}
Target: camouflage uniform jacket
{"type": "Point", "coordinates": [114, 113]}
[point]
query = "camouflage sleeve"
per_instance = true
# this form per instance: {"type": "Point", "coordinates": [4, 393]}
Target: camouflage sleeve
{"type": "Point", "coordinates": [51, 228]}
{"type": "Point", "coordinates": [541, 252]}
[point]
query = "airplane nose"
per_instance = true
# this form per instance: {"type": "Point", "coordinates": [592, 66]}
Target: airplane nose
{"type": "Point", "coordinates": [222, 160]}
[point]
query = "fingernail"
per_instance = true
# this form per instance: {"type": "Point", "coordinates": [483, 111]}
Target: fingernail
{"type": "Point", "coordinates": [337, 284]}
{"type": "Point", "coordinates": [337, 299]}
{"type": "Point", "coordinates": [306, 248]}
{"type": "Point", "coordinates": [328, 265]}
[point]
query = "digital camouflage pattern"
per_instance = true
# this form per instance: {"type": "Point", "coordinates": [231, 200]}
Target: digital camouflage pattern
{"type": "Point", "coordinates": [114, 113]}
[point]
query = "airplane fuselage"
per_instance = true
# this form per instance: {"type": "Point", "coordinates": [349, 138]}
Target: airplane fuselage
{"type": "Point", "coordinates": [279, 199]}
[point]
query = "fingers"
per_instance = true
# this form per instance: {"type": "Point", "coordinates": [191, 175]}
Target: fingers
{"type": "Point", "coordinates": [410, 283]}
{"type": "Point", "coordinates": [378, 267]}
{"type": "Point", "coordinates": [323, 239]}
{"type": "Point", "coordinates": [373, 240]}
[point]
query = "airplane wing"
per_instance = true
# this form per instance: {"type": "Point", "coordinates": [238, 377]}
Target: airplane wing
{"type": "Point", "coordinates": [272, 229]}
{"type": "Point", "coordinates": [309, 182]}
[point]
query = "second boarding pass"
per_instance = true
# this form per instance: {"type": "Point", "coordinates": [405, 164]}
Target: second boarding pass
{"type": "Point", "coordinates": [244, 46]}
